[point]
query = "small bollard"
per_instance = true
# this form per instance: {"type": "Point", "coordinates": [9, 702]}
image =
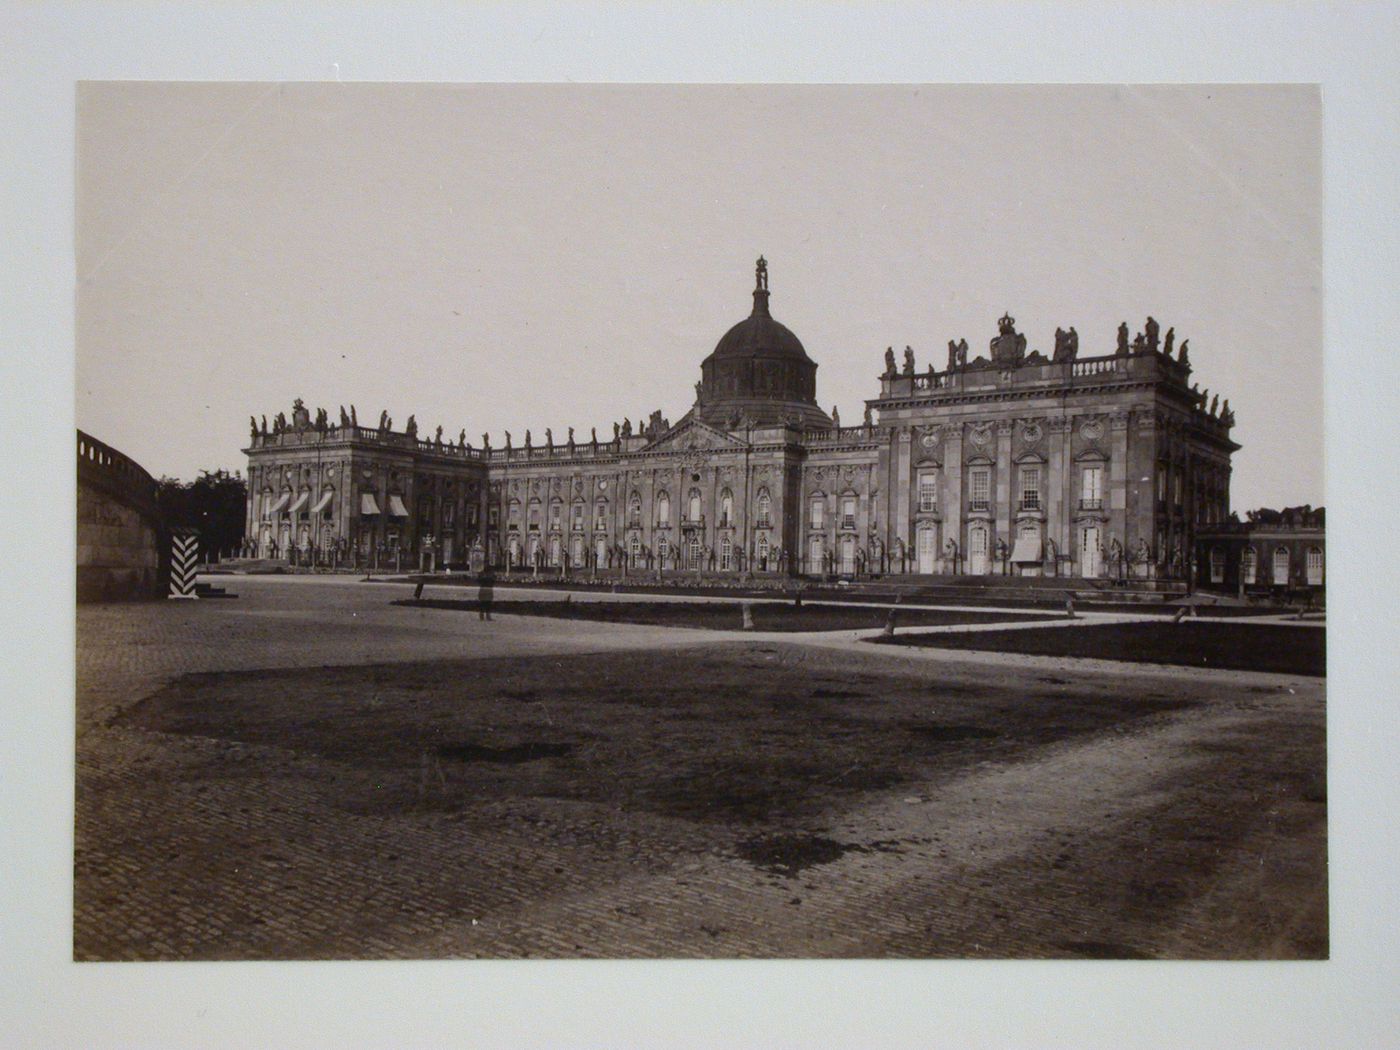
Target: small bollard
{"type": "Point", "coordinates": [1069, 607]}
{"type": "Point", "coordinates": [797, 601]}
{"type": "Point", "coordinates": [748, 616]}
{"type": "Point", "coordinates": [888, 630]}
{"type": "Point", "coordinates": [1180, 614]}
{"type": "Point", "coordinates": [418, 591]}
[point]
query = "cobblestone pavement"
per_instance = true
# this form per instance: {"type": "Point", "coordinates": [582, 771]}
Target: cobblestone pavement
{"type": "Point", "coordinates": [187, 848]}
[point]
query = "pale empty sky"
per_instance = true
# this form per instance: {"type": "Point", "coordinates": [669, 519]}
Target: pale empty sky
{"type": "Point", "coordinates": [495, 257]}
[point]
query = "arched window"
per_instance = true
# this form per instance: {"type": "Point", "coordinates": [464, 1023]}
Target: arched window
{"type": "Point", "coordinates": [763, 550]}
{"type": "Point", "coordinates": [692, 500]}
{"type": "Point", "coordinates": [1314, 566]}
{"type": "Point", "coordinates": [764, 519]}
{"type": "Point", "coordinates": [663, 550]}
{"type": "Point", "coordinates": [726, 508]}
{"type": "Point", "coordinates": [726, 553]}
{"type": "Point", "coordinates": [1249, 566]}
{"type": "Point", "coordinates": [634, 548]}
{"type": "Point", "coordinates": [634, 509]}
{"type": "Point", "coordinates": [1280, 565]}
{"type": "Point", "coordinates": [1217, 565]}
{"type": "Point", "coordinates": [663, 508]}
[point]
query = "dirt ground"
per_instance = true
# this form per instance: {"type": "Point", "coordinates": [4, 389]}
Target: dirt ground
{"type": "Point", "coordinates": [741, 799]}
{"type": "Point", "coordinates": [1276, 648]}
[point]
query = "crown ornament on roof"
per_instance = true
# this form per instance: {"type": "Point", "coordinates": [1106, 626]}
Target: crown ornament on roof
{"type": "Point", "coordinates": [1006, 321]}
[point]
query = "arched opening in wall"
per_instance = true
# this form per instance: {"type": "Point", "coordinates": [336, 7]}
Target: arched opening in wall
{"type": "Point", "coordinates": [514, 551]}
{"type": "Point", "coordinates": [634, 510]}
{"type": "Point", "coordinates": [1217, 564]}
{"type": "Point", "coordinates": [816, 554]}
{"type": "Point", "coordinates": [692, 506]}
{"type": "Point", "coordinates": [576, 549]}
{"type": "Point", "coordinates": [600, 551]}
{"type": "Point", "coordinates": [554, 551]}
{"type": "Point", "coordinates": [1280, 566]}
{"type": "Point", "coordinates": [763, 516]}
{"type": "Point", "coordinates": [663, 552]}
{"type": "Point", "coordinates": [1090, 551]}
{"type": "Point", "coordinates": [726, 554]}
{"type": "Point", "coordinates": [1313, 566]}
{"type": "Point", "coordinates": [694, 551]}
{"type": "Point", "coordinates": [926, 548]}
{"type": "Point", "coordinates": [663, 508]}
{"type": "Point", "coordinates": [634, 549]}
{"type": "Point", "coordinates": [534, 550]}
{"type": "Point", "coordinates": [848, 555]}
{"type": "Point", "coordinates": [1249, 566]}
{"type": "Point", "coordinates": [726, 509]}
{"type": "Point", "coordinates": [977, 550]}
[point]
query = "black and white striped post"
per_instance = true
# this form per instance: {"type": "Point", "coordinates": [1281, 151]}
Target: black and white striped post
{"type": "Point", "coordinates": [184, 554]}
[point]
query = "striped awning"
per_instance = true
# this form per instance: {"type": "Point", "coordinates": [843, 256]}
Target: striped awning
{"type": "Point", "coordinates": [1027, 549]}
{"type": "Point", "coordinates": [281, 502]}
{"type": "Point", "coordinates": [396, 507]}
{"type": "Point", "coordinates": [300, 503]}
{"type": "Point", "coordinates": [324, 501]}
{"type": "Point", "coordinates": [368, 507]}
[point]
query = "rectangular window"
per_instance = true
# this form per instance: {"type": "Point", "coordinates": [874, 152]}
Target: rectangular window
{"type": "Point", "coordinates": [1030, 488]}
{"type": "Point", "coordinates": [980, 486]}
{"type": "Point", "coordinates": [578, 517]}
{"type": "Point", "coordinates": [1091, 489]}
{"type": "Point", "coordinates": [928, 491]}
{"type": "Point", "coordinates": [1250, 566]}
{"type": "Point", "coordinates": [848, 512]}
{"type": "Point", "coordinates": [818, 512]}
{"type": "Point", "coordinates": [1176, 488]}
{"type": "Point", "coordinates": [1161, 484]}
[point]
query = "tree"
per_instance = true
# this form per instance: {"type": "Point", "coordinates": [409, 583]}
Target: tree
{"type": "Point", "coordinates": [214, 503]}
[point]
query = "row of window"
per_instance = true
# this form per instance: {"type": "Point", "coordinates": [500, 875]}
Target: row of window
{"type": "Point", "coordinates": [689, 554]}
{"type": "Point", "coordinates": [1029, 491]}
{"type": "Point", "coordinates": [1281, 564]}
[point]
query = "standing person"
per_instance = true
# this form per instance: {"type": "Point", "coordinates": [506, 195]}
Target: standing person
{"type": "Point", "coordinates": [484, 593]}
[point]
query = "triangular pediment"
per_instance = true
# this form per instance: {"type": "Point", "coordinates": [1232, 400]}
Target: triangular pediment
{"type": "Point", "coordinates": [691, 434]}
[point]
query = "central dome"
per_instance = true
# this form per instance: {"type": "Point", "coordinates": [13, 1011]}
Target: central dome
{"type": "Point", "coordinates": [759, 335]}
{"type": "Point", "coordinates": [759, 372]}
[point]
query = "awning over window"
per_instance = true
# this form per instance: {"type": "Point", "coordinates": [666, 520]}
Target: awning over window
{"type": "Point", "coordinates": [1027, 549]}
{"type": "Point", "coordinates": [324, 501]}
{"type": "Point", "coordinates": [300, 503]}
{"type": "Point", "coordinates": [396, 507]}
{"type": "Point", "coordinates": [368, 507]}
{"type": "Point", "coordinates": [281, 502]}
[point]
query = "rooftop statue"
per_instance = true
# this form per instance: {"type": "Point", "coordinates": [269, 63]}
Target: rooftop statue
{"type": "Point", "coordinates": [1008, 347]}
{"type": "Point", "coordinates": [962, 353]}
{"type": "Point", "coordinates": [322, 421]}
{"type": "Point", "coordinates": [908, 361]}
{"type": "Point", "coordinates": [1139, 343]}
{"type": "Point", "coordinates": [549, 437]}
{"type": "Point", "coordinates": [1167, 342]}
{"type": "Point", "coordinates": [890, 371]}
{"type": "Point", "coordinates": [411, 427]}
{"type": "Point", "coordinates": [437, 437]}
{"type": "Point", "coordinates": [761, 274]}
{"type": "Point", "coordinates": [617, 431]}
{"type": "Point", "coordinates": [253, 426]}
{"type": "Point", "coordinates": [462, 438]}
{"type": "Point", "coordinates": [1123, 338]}
{"type": "Point", "coordinates": [507, 439]}
{"type": "Point", "coordinates": [300, 416]}
{"type": "Point", "coordinates": [1066, 344]}
{"type": "Point", "coordinates": [354, 419]}
{"type": "Point", "coordinates": [626, 427]}
{"type": "Point", "coordinates": [835, 418]}
{"type": "Point", "coordinates": [527, 438]}
{"type": "Point", "coordinates": [571, 437]}
{"type": "Point", "coordinates": [1152, 330]}
{"type": "Point", "coordinates": [1215, 405]}
{"type": "Point", "coordinates": [264, 425]}
{"type": "Point", "coordinates": [868, 416]}
{"type": "Point", "coordinates": [486, 441]}
{"type": "Point", "coordinates": [952, 355]}
{"type": "Point", "coordinates": [1183, 358]}
{"type": "Point", "coordinates": [344, 419]}
{"type": "Point", "coordinates": [593, 432]}
{"type": "Point", "coordinates": [384, 420]}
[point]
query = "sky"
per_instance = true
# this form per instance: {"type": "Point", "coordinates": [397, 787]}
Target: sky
{"type": "Point", "coordinates": [504, 257]}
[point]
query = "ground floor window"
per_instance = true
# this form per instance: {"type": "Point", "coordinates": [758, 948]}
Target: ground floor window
{"type": "Point", "coordinates": [1217, 565]}
{"type": "Point", "coordinates": [726, 554]}
{"type": "Point", "coordinates": [693, 546]}
{"type": "Point", "coordinates": [763, 551]}
{"type": "Point", "coordinates": [663, 550]}
{"type": "Point", "coordinates": [1280, 565]}
{"type": "Point", "coordinates": [1314, 566]}
{"type": "Point", "coordinates": [1249, 565]}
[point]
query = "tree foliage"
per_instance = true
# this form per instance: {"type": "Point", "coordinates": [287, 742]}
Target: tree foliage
{"type": "Point", "coordinates": [214, 503]}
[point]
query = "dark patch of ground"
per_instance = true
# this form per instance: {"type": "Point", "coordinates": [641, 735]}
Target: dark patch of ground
{"type": "Point", "coordinates": [724, 734]}
{"type": "Point", "coordinates": [1275, 648]}
{"type": "Point", "coordinates": [729, 616]}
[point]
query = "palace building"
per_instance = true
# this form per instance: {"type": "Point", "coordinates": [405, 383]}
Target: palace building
{"type": "Point", "coordinates": [1012, 462]}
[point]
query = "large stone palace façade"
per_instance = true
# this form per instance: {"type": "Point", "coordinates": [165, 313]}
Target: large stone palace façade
{"type": "Point", "coordinates": [1013, 462]}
